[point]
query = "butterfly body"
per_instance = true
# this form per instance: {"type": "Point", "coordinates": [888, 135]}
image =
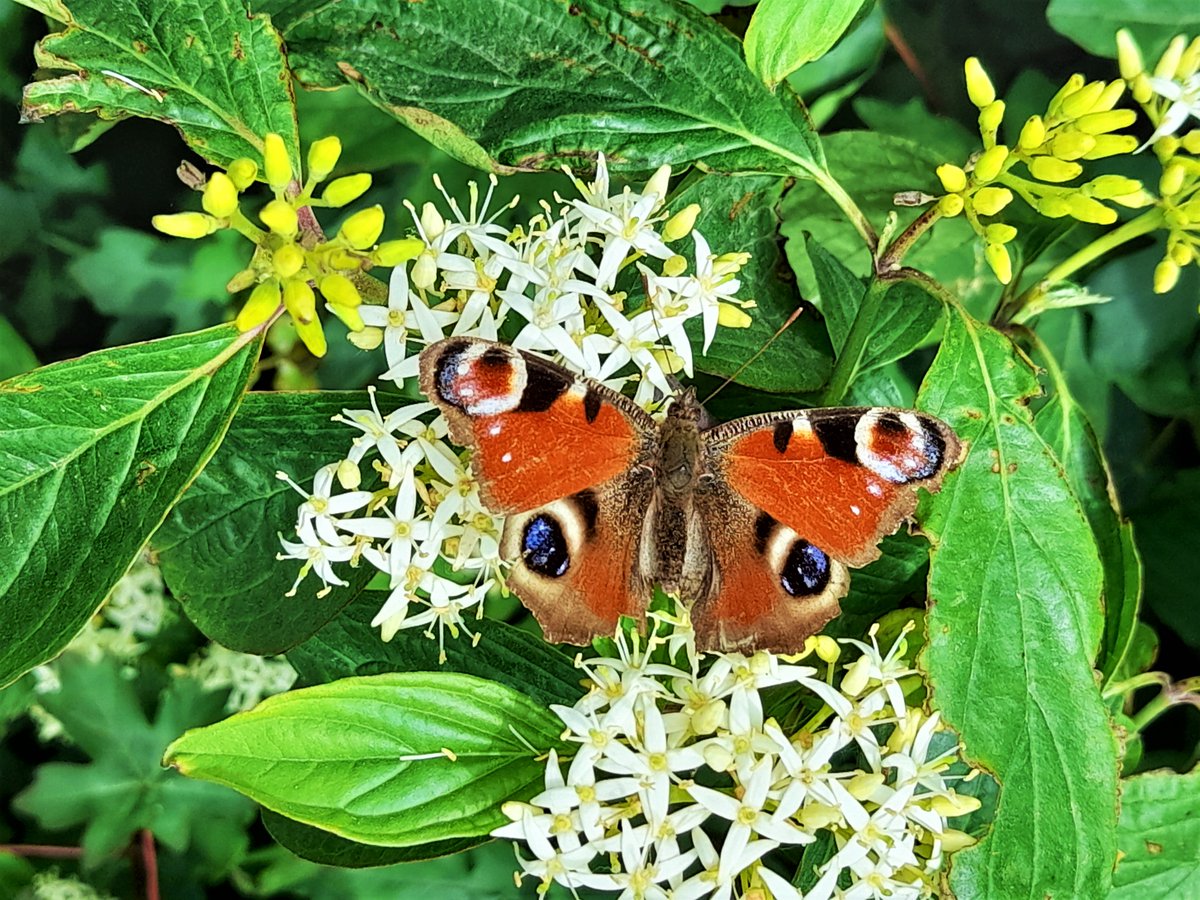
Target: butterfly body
{"type": "Point", "coordinates": [751, 522]}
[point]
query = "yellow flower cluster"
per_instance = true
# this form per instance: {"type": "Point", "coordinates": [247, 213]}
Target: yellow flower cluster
{"type": "Point", "coordinates": [292, 257]}
{"type": "Point", "coordinates": [1169, 96]}
{"type": "Point", "coordinates": [1077, 127]}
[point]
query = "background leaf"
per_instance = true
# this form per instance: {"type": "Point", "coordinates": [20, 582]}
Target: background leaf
{"type": "Point", "coordinates": [328, 849]}
{"type": "Point", "coordinates": [785, 34]}
{"type": "Point", "coordinates": [93, 453]}
{"type": "Point", "coordinates": [1159, 837]}
{"type": "Point", "coordinates": [1093, 26]}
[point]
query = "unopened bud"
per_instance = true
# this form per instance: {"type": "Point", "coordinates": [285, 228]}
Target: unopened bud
{"type": "Point", "coordinates": [1108, 186]}
{"type": "Point", "coordinates": [1111, 145]}
{"type": "Point", "coordinates": [815, 816]}
{"type": "Point", "coordinates": [864, 784]}
{"type": "Point", "coordinates": [393, 253]}
{"type": "Point", "coordinates": [432, 222]}
{"type": "Point", "coordinates": [709, 717]}
{"type": "Point", "coordinates": [276, 165]}
{"type": "Point", "coordinates": [953, 178]}
{"type": "Point", "coordinates": [1074, 83]}
{"type": "Point", "coordinates": [1141, 89]}
{"type": "Point", "coordinates": [1082, 101]}
{"type": "Point", "coordinates": [1191, 141]}
{"type": "Point", "coordinates": [1086, 209]}
{"type": "Point", "coordinates": [731, 316]}
{"type": "Point", "coordinates": [280, 217]}
{"type": "Point", "coordinates": [954, 840]}
{"type": "Point", "coordinates": [339, 290]}
{"type": "Point", "coordinates": [287, 260]}
{"type": "Point", "coordinates": [1166, 276]}
{"type": "Point", "coordinates": [828, 650]}
{"type": "Point", "coordinates": [658, 184]}
{"type": "Point", "coordinates": [999, 233]}
{"type": "Point", "coordinates": [1109, 96]}
{"type": "Point", "coordinates": [263, 302]}
{"type": "Point", "coordinates": [1168, 63]}
{"type": "Point", "coordinates": [424, 272]}
{"type": "Point", "coordinates": [190, 225]}
{"type": "Point", "coordinates": [979, 86]}
{"type": "Point", "coordinates": [1171, 180]}
{"type": "Point", "coordinates": [1189, 63]}
{"type": "Point", "coordinates": [242, 173]}
{"type": "Point", "coordinates": [1053, 170]}
{"type": "Point", "coordinates": [1180, 253]}
{"type": "Point", "coordinates": [1001, 263]}
{"type": "Point", "coordinates": [312, 336]}
{"type": "Point", "coordinates": [990, 200]}
{"type": "Point", "coordinates": [954, 805]}
{"type": "Point", "coordinates": [346, 189]}
{"type": "Point", "coordinates": [681, 224]}
{"type": "Point", "coordinates": [220, 196]}
{"type": "Point", "coordinates": [1053, 207]}
{"type": "Point", "coordinates": [674, 266]}
{"type": "Point", "coordinates": [1072, 145]}
{"type": "Point", "coordinates": [241, 280]}
{"type": "Point", "coordinates": [363, 228]}
{"type": "Point", "coordinates": [1104, 122]}
{"type": "Point", "coordinates": [349, 315]}
{"type": "Point", "coordinates": [348, 475]}
{"type": "Point", "coordinates": [322, 157]}
{"type": "Point", "coordinates": [950, 205]}
{"type": "Point", "coordinates": [1129, 55]}
{"type": "Point", "coordinates": [1032, 134]}
{"type": "Point", "coordinates": [991, 116]}
{"type": "Point", "coordinates": [857, 675]}
{"type": "Point", "coordinates": [368, 339]}
{"type": "Point", "coordinates": [300, 300]}
{"type": "Point", "coordinates": [990, 163]}
{"type": "Point", "coordinates": [343, 260]}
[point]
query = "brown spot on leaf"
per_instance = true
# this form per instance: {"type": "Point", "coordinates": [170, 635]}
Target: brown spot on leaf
{"type": "Point", "coordinates": [1153, 849]}
{"type": "Point", "coordinates": [739, 205]}
{"type": "Point", "coordinates": [621, 41]}
{"type": "Point", "coordinates": [573, 10]}
{"type": "Point", "coordinates": [146, 471]}
{"type": "Point", "coordinates": [350, 72]}
{"type": "Point", "coordinates": [141, 46]}
{"type": "Point", "coordinates": [973, 413]}
{"type": "Point", "coordinates": [1012, 467]}
{"type": "Point", "coordinates": [239, 52]}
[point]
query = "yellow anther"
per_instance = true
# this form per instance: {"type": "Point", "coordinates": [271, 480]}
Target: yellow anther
{"type": "Point", "coordinates": [1129, 55]}
{"type": "Point", "coordinates": [276, 165]}
{"type": "Point", "coordinates": [280, 217]}
{"type": "Point", "coordinates": [979, 86]}
{"type": "Point", "coordinates": [363, 228]}
{"type": "Point", "coordinates": [1104, 122]}
{"type": "Point", "coordinates": [393, 253]}
{"type": "Point", "coordinates": [681, 224]}
{"type": "Point", "coordinates": [186, 224]}
{"type": "Point", "coordinates": [990, 163]}
{"type": "Point", "coordinates": [1050, 169]}
{"type": "Point", "coordinates": [263, 302]}
{"type": "Point", "coordinates": [242, 173]}
{"type": "Point", "coordinates": [339, 290]}
{"type": "Point", "coordinates": [990, 200]}
{"type": "Point", "coordinates": [287, 260]}
{"type": "Point", "coordinates": [953, 178]}
{"type": "Point", "coordinates": [322, 157]}
{"type": "Point", "coordinates": [220, 196]}
{"type": "Point", "coordinates": [998, 258]}
{"type": "Point", "coordinates": [1032, 134]}
{"type": "Point", "coordinates": [346, 189]}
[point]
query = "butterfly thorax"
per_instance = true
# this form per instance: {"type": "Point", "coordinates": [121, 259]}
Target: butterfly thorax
{"type": "Point", "coordinates": [679, 456]}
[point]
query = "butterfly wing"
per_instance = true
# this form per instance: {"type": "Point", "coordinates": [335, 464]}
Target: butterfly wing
{"type": "Point", "coordinates": [816, 490]}
{"type": "Point", "coordinates": [560, 456]}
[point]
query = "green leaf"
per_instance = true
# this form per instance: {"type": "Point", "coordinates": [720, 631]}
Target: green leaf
{"type": "Point", "coordinates": [515, 85]}
{"type": "Point", "coordinates": [15, 355]}
{"type": "Point", "coordinates": [739, 215]}
{"type": "Point", "coordinates": [204, 66]}
{"type": "Point", "coordinates": [1014, 623]}
{"type": "Point", "coordinates": [783, 35]}
{"type": "Point", "coordinates": [217, 549]}
{"type": "Point", "coordinates": [879, 587]}
{"type": "Point", "coordinates": [93, 454]}
{"type": "Point", "coordinates": [328, 849]}
{"type": "Point", "coordinates": [1159, 838]}
{"type": "Point", "coordinates": [349, 645]}
{"type": "Point", "coordinates": [353, 765]}
{"type": "Point", "coordinates": [1167, 529]}
{"type": "Point", "coordinates": [1153, 23]}
{"type": "Point", "coordinates": [826, 83]}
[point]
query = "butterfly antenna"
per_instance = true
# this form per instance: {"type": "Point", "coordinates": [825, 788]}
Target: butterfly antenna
{"type": "Point", "coordinates": [759, 352]}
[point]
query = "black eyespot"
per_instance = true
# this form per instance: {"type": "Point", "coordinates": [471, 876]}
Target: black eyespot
{"type": "Point", "coordinates": [544, 548]}
{"type": "Point", "coordinates": [806, 570]}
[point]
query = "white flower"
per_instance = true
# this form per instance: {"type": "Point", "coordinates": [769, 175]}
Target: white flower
{"type": "Point", "coordinates": [711, 286]}
{"type": "Point", "coordinates": [248, 678]}
{"type": "Point", "coordinates": [1185, 101]}
{"type": "Point", "coordinates": [319, 509]}
{"type": "Point", "coordinates": [639, 877]}
{"type": "Point", "coordinates": [318, 557]}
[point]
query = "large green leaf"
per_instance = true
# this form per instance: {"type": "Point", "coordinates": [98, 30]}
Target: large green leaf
{"type": "Point", "coordinates": [1014, 624]}
{"type": "Point", "coordinates": [217, 549]}
{"type": "Point", "coordinates": [1093, 26]}
{"type": "Point", "coordinates": [514, 84]}
{"type": "Point", "coordinates": [783, 35]}
{"type": "Point", "coordinates": [1159, 837]}
{"type": "Point", "coordinates": [93, 454]}
{"type": "Point", "coordinates": [392, 760]}
{"type": "Point", "coordinates": [204, 66]}
{"type": "Point", "coordinates": [15, 355]}
{"type": "Point", "coordinates": [739, 215]}
{"type": "Point", "coordinates": [349, 645]}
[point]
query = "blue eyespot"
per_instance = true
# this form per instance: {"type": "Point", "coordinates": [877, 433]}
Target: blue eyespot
{"type": "Point", "coordinates": [806, 570]}
{"type": "Point", "coordinates": [544, 548]}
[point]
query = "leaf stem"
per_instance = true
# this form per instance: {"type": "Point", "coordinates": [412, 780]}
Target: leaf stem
{"type": "Point", "coordinates": [848, 360]}
{"type": "Point", "coordinates": [846, 204]}
{"type": "Point", "coordinates": [149, 864]}
{"type": "Point", "coordinates": [889, 260]}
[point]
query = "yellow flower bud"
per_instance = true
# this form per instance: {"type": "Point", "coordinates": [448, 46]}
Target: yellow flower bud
{"type": "Point", "coordinates": [954, 840]}
{"type": "Point", "coordinates": [1181, 254]}
{"type": "Point", "coordinates": [1191, 209]}
{"type": "Point", "coordinates": [1032, 134]}
{"type": "Point", "coordinates": [991, 116]}
{"type": "Point", "coordinates": [1133, 200]}
{"type": "Point", "coordinates": [300, 300]}
{"type": "Point", "coordinates": [1111, 145]}
{"type": "Point", "coordinates": [312, 335]}
{"type": "Point", "coordinates": [814, 816]}
{"type": "Point", "coordinates": [998, 258]}
{"type": "Point", "coordinates": [322, 157]}
{"type": "Point", "coordinates": [708, 718]}
{"type": "Point", "coordinates": [1053, 207]}
{"type": "Point", "coordinates": [348, 475]}
{"type": "Point", "coordinates": [990, 163]}
{"type": "Point", "coordinates": [1191, 141]}
{"type": "Point", "coordinates": [681, 224]}
{"type": "Point", "coordinates": [346, 189]}
{"type": "Point", "coordinates": [343, 260]}
{"type": "Point", "coordinates": [731, 316]}
{"type": "Point", "coordinates": [827, 648]}
{"type": "Point", "coordinates": [1082, 101]}
{"type": "Point", "coordinates": [393, 253]}
{"type": "Point", "coordinates": [979, 86]}
{"type": "Point", "coordinates": [950, 205]}
{"type": "Point", "coordinates": [432, 223]}
{"type": "Point", "coordinates": [1074, 83]}
{"type": "Point", "coordinates": [186, 224]}
{"type": "Point", "coordinates": [999, 233]}
{"type": "Point", "coordinates": [1171, 180]}
{"type": "Point", "coordinates": [363, 228]}
{"type": "Point", "coordinates": [1175, 219]}
{"type": "Point", "coordinates": [1085, 209]}
{"type": "Point", "coordinates": [717, 757]}
{"type": "Point", "coordinates": [1141, 89]}
{"type": "Point", "coordinates": [220, 197]}
{"type": "Point", "coordinates": [339, 290]}
{"type": "Point", "coordinates": [729, 263]}
{"type": "Point", "coordinates": [1166, 276]}
{"type": "Point", "coordinates": [287, 260]}
{"type": "Point", "coordinates": [368, 339]}
{"type": "Point", "coordinates": [1109, 96]}
{"type": "Point", "coordinates": [659, 183]}
{"type": "Point", "coordinates": [349, 315]}
{"type": "Point", "coordinates": [864, 784]}
{"type": "Point", "coordinates": [953, 178]}
{"type": "Point", "coordinates": [1047, 168]}
{"type": "Point", "coordinates": [990, 200]}
{"type": "Point", "coordinates": [263, 302]}
{"type": "Point", "coordinates": [674, 266]}
{"type": "Point", "coordinates": [280, 217]}
{"type": "Point", "coordinates": [1072, 145]}
{"type": "Point", "coordinates": [1108, 186]}
{"type": "Point", "coordinates": [1104, 122]}
{"type": "Point", "coordinates": [1129, 55]}
{"type": "Point", "coordinates": [276, 165]}
{"type": "Point", "coordinates": [242, 172]}
{"type": "Point", "coordinates": [857, 675]}
{"type": "Point", "coordinates": [954, 804]}
{"type": "Point", "coordinates": [424, 272]}
{"type": "Point", "coordinates": [1169, 61]}
{"type": "Point", "coordinates": [1189, 63]}
{"type": "Point", "coordinates": [241, 280]}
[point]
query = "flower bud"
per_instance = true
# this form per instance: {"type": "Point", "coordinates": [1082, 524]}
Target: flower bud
{"type": "Point", "coordinates": [1052, 170]}
{"type": "Point", "coordinates": [1189, 63]}
{"type": "Point", "coordinates": [979, 86]}
{"type": "Point", "coordinates": [1166, 276]}
{"type": "Point", "coordinates": [393, 253]}
{"type": "Point", "coordinates": [346, 189]}
{"type": "Point", "coordinates": [368, 339]}
{"type": "Point", "coordinates": [343, 260]}
{"type": "Point", "coordinates": [659, 183]}
{"type": "Point", "coordinates": [287, 260]}
{"type": "Point", "coordinates": [709, 717]}
{"type": "Point", "coordinates": [300, 300]}
{"type": "Point", "coordinates": [954, 840]}
{"type": "Point", "coordinates": [1191, 141]}
{"type": "Point", "coordinates": [1053, 207]}
{"type": "Point", "coordinates": [681, 224]}
{"type": "Point", "coordinates": [999, 233]}
{"type": "Point", "coordinates": [864, 784]}
{"type": "Point", "coordinates": [1129, 55]}
{"type": "Point", "coordinates": [1172, 179]}
{"type": "Point", "coordinates": [363, 228]}
{"type": "Point", "coordinates": [814, 816]}
{"type": "Point", "coordinates": [1141, 89]}
{"type": "Point", "coordinates": [242, 172]}
{"type": "Point", "coordinates": [953, 178]}
{"type": "Point", "coordinates": [241, 280]}
{"type": "Point", "coordinates": [1168, 63]}
{"type": "Point", "coordinates": [312, 335]}
{"type": "Point", "coordinates": [991, 116]}
{"type": "Point", "coordinates": [1107, 186]}
{"type": "Point", "coordinates": [997, 257]}
{"type": "Point", "coordinates": [348, 475]}
{"type": "Point", "coordinates": [432, 223]}
{"type": "Point", "coordinates": [717, 757]}
{"type": "Point", "coordinates": [349, 315]}
{"type": "Point", "coordinates": [280, 217]}
{"type": "Point", "coordinates": [828, 650]}
{"type": "Point", "coordinates": [674, 266]}
{"type": "Point", "coordinates": [1072, 144]}
{"type": "Point", "coordinates": [263, 302]}
{"type": "Point", "coordinates": [950, 205]}
{"type": "Point", "coordinates": [1082, 101]}
{"type": "Point", "coordinates": [1180, 253]}
{"type": "Point", "coordinates": [1109, 96]}
{"type": "Point", "coordinates": [858, 673]}
{"type": "Point", "coordinates": [186, 224]}
{"type": "Point", "coordinates": [954, 805]}
{"type": "Point", "coordinates": [339, 290]}
{"type": "Point", "coordinates": [276, 165]}
{"type": "Point", "coordinates": [220, 196]}
{"type": "Point", "coordinates": [1074, 83]}
{"type": "Point", "coordinates": [1111, 145]}
{"type": "Point", "coordinates": [1104, 122]}
{"type": "Point", "coordinates": [322, 157]}
{"type": "Point", "coordinates": [1085, 209]}
{"type": "Point", "coordinates": [731, 316]}
{"type": "Point", "coordinates": [990, 163]}
{"type": "Point", "coordinates": [1138, 199]}
{"type": "Point", "coordinates": [990, 200]}
{"type": "Point", "coordinates": [1032, 134]}
{"type": "Point", "coordinates": [424, 272]}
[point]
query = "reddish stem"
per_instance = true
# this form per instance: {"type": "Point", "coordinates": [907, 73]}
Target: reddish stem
{"type": "Point", "coordinates": [150, 864]}
{"type": "Point", "coordinates": [909, 58]}
{"type": "Point", "coordinates": [49, 851]}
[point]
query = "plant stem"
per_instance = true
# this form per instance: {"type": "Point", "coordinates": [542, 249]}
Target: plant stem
{"type": "Point", "coordinates": [846, 366]}
{"type": "Point", "coordinates": [150, 864]}
{"type": "Point", "coordinates": [847, 205]}
{"type": "Point", "coordinates": [44, 851]}
{"type": "Point", "coordinates": [889, 261]}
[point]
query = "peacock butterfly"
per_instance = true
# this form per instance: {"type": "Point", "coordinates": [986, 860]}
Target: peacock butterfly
{"type": "Point", "coordinates": [753, 521]}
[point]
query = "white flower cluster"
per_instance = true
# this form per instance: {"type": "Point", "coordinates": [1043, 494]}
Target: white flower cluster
{"type": "Point", "coordinates": [247, 677]}
{"type": "Point", "coordinates": [549, 284]}
{"type": "Point", "coordinates": [666, 751]}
